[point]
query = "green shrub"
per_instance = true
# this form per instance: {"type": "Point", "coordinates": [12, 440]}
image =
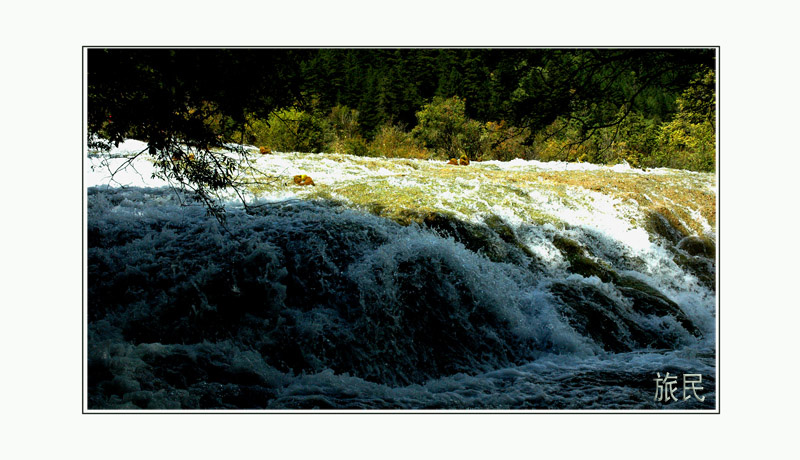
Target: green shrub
{"type": "Point", "coordinates": [686, 142]}
{"type": "Point", "coordinates": [355, 146]}
{"type": "Point", "coordinates": [689, 140]}
{"type": "Point", "coordinates": [289, 130]}
{"type": "Point", "coordinates": [345, 136]}
{"type": "Point", "coordinates": [635, 141]}
{"type": "Point", "coordinates": [688, 145]}
{"type": "Point", "coordinates": [562, 141]}
{"type": "Point", "coordinates": [393, 142]}
{"type": "Point", "coordinates": [344, 122]}
{"type": "Point", "coordinates": [500, 141]}
{"type": "Point", "coordinates": [444, 128]}
{"type": "Point", "coordinates": [256, 132]}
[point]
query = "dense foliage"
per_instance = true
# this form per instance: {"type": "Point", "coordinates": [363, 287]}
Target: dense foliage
{"type": "Point", "coordinates": [185, 104]}
{"type": "Point", "coordinates": [649, 107]}
{"type": "Point", "coordinates": [603, 106]}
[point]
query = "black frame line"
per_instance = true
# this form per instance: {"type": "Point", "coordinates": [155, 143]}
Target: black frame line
{"type": "Point", "coordinates": [84, 247]}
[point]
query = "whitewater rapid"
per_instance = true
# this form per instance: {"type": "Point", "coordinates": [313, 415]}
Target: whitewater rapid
{"type": "Point", "coordinates": [399, 284]}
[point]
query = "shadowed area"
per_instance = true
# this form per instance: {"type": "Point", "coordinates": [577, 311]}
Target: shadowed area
{"type": "Point", "coordinates": [302, 304]}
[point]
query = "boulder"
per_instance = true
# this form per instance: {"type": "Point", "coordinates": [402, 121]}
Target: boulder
{"type": "Point", "coordinates": [302, 179]}
{"type": "Point", "coordinates": [698, 246]}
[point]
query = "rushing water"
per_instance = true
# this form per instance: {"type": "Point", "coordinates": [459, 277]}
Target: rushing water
{"type": "Point", "coordinates": [399, 284]}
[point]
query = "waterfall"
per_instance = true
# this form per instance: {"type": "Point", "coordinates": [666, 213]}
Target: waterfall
{"type": "Point", "coordinates": [401, 284]}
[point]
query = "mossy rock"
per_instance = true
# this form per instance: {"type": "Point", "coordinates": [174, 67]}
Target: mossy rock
{"type": "Point", "coordinates": [403, 217]}
{"type": "Point", "coordinates": [703, 268]}
{"type": "Point", "coordinates": [648, 300]}
{"type": "Point", "coordinates": [580, 261]}
{"type": "Point", "coordinates": [595, 315]}
{"type": "Point", "coordinates": [502, 228]}
{"type": "Point", "coordinates": [662, 222]}
{"type": "Point", "coordinates": [474, 237]}
{"type": "Point", "coordinates": [496, 240]}
{"type": "Point", "coordinates": [698, 246]}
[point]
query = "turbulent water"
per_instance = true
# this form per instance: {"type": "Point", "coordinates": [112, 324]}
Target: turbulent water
{"type": "Point", "coordinates": [402, 284]}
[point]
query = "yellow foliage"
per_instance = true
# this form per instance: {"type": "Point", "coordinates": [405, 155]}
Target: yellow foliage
{"type": "Point", "coordinates": [302, 179]}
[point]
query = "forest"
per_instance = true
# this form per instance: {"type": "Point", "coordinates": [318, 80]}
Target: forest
{"type": "Point", "coordinates": [647, 107]}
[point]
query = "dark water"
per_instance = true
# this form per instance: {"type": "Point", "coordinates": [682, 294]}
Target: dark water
{"type": "Point", "coordinates": [311, 305]}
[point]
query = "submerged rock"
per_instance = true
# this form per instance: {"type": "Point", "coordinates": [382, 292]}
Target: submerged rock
{"type": "Point", "coordinates": [616, 327]}
{"type": "Point", "coordinates": [581, 262]}
{"type": "Point", "coordinates": [698, 246]}
{"type": "Point", "coordinates": [650, 301]}
{"type": "Point", "coordinates": [496, 239]}
{"type": "Point", "coordinates": [663, 222]}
